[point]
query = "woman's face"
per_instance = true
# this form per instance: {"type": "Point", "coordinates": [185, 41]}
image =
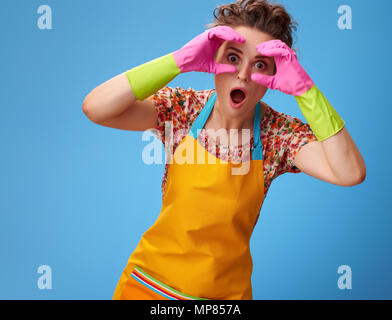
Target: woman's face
{"type": "Point", "coordinates": [247, 60]}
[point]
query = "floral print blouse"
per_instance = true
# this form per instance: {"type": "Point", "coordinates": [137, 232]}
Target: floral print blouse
{"type": "Point", "coordinates": [282, 135]}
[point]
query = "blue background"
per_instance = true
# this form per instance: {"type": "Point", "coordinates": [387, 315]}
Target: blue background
{"type": "Point", "coordinates": [76, 196]}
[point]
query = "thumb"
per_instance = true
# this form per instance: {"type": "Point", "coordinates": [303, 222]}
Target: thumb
{"type": "Point", "coordinates": [224, 68]}
{"type": "Point", "coordinates": [264, 80]}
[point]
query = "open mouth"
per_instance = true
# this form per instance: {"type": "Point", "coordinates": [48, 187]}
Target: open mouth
{"type": "Point", "coordinates": [237, 95]}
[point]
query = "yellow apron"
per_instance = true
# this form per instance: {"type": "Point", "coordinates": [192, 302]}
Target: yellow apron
{"type": "Point", "coordinates": [199, 245]}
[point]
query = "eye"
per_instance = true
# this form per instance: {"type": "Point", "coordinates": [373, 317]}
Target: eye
{"type": "Point", "coordinates": [232, 57]}
{"type": "Point", "coordinates": [261, 65]}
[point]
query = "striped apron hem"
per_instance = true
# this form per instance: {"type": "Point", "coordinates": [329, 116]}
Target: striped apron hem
{"type": "Point", "coordinates": [159, 287]}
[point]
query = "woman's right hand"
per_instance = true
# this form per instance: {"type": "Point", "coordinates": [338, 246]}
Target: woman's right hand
{"type": "Point", "coordinates": [198, 54]}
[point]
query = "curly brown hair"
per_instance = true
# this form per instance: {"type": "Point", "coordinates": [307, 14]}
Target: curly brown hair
{"type": "Point", "coordinates": [269, 18]}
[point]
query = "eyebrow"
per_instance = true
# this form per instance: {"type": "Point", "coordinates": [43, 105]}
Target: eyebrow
{"type": "Point", "coordinates": [238, 50]}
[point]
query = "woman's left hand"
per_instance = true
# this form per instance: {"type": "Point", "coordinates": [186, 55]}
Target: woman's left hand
{"type": "Point", "coordinates": [290, 77]}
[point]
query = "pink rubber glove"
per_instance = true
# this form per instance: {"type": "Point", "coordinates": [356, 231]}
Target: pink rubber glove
{"type": "Point", "coordinates": [198, 54]}
{"type": "Point", "coordinates": [290, 77]}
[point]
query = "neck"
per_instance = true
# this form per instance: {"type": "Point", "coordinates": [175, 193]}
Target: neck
{"type": "Point", "coordinates": [221, 119]}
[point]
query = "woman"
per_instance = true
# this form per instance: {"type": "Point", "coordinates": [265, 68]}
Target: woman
{"type": "Point", "coordinates": [198, 248]}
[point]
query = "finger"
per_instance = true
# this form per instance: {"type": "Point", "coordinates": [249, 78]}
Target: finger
{"type": "Point", "coordinates": [264, 80]}
{"type": "Point", "coordinates": [275, 43]}
{"type": "Point", "coordinates": [274, 48]}
{"type": "Point", "coordinates": [272, 52]}
{"type": "Point", "coordinates": [224, 68]}
{"type": "Point", "coordinates": [227, 34]}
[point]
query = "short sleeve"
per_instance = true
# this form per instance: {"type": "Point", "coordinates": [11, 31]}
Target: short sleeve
{"type": "Point", "coordinates": [300, 135]}
{"type": "Point", "coordinates": [174, 107]}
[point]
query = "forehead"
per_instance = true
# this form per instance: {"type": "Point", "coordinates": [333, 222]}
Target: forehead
{"type": "Point", "coordinates": [252, 35]}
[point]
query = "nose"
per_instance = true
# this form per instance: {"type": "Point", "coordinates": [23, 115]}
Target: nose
{"type": "Point", "coordinates": [244, 72]}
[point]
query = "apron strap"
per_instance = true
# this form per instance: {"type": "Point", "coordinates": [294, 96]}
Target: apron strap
{"type": "Point", "coordinates": [257, 152]}
{"type": "Point", "coordinates": [203, 116]}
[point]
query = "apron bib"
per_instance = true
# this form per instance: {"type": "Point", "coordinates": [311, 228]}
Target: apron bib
{"type": "Point", "coordinates": [199, 245]}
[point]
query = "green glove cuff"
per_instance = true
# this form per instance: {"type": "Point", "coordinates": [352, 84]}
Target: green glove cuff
{"type": "Point", "coordinates": [321, 116]}
{"type": "Point", "coordinates": [148, 78]}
